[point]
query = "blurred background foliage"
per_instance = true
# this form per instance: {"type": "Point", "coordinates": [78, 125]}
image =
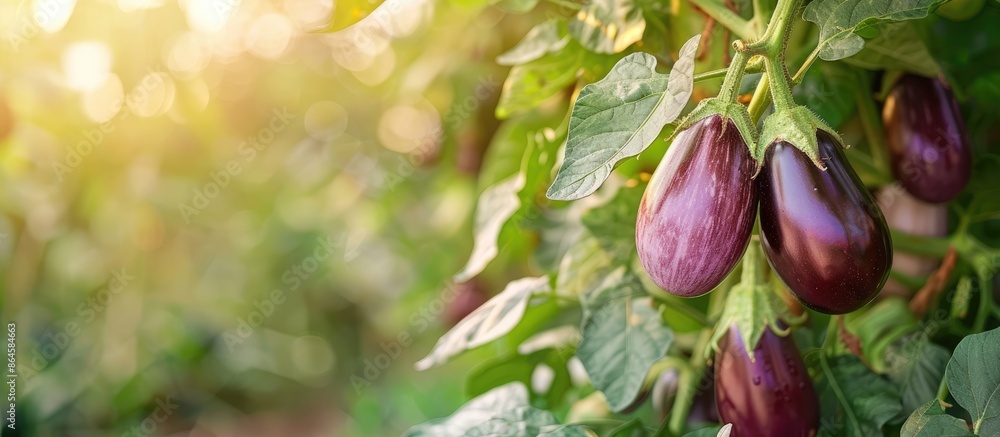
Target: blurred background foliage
{"type": "Point", "coordinates": [121, 123]}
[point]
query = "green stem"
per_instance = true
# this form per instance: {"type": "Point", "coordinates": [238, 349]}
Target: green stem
{"type": "Point", "coordinates": [688, 384]}
{"type": "Point", "coordinates": [871, 122]}
{"type": "Point", "coordinates": [985, 303]}
{"type": "Point", "coordinates": [917, 245]}
{"type": "Point", "coordinates": [781, 89]}
{"type": "Point", "coordinates": [731, 86]}
{"type": "Point", "coordinates": [797, 78]}
{"type": "Point", "coordinates": [743, 29]}
{"type": "Point", "coordinates": [831, 335]}
{"type": "Point", "coordinates": [942, 392]}
{"type": "Point", "coordinates": [711, 74]}
{"type": "Point", "coordinates": [761, 99]}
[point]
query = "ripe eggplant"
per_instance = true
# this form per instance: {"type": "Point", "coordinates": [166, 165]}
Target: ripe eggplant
{"type": "Point", "coordinates": [821, 230]}
{"type": "Point", "coordinates": [698, 211]}
{"type": "Point", "coordinates": [770, 396]}
{"type": "Point", "coordinates": [927, 139]}
{"type": "Point", "coordinates": [911, 215]}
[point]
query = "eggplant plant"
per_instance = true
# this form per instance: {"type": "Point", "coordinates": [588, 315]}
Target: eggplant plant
{"type": "Point", "coordinates": [691, 238]}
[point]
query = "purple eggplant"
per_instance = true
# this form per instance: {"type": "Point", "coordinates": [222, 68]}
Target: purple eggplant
{"type": "Point", "coordinates": [769, 396]}
{"type": "Point", "coordinates": [927, 139]}
{"type": "Point", "coordinates": [698, 211]}
{"type": "Point", "coordinates": [821, 230]}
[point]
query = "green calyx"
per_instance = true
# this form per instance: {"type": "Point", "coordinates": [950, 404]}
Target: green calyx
{"type": "Point", "coordinates": [753, 307]}
{"type": "Point", "coordinates": [729, 111]}
{"type": "Point", "coordinates": [796, 126]}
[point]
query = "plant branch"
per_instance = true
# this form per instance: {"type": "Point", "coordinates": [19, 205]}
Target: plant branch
{"type": "Point", "coordinates": [729, 19]}
{"type": "Point", "coordinates": [711, 74]}
{"type": "Point", "coordinates": [871, 122]}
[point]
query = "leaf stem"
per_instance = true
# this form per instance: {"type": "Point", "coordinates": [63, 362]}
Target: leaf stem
{"type": "Point", "coordinates": [743, 29]}
{"type": "Point", "coordinates": [871, 122]}
{"type": "Point", "coordinates": [711, 74]}
{"type": "Point", "coordinates": [917, 245]}
{"type": "Point", "coordinates": [985, 302]}
{"type": "Point", "coordinates": [942, 392]}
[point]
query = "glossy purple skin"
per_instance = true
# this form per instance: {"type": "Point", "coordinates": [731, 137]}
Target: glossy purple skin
{"type": "Point", "coordinates": [822, 231]}
{"type": "Point", "coordinates": [927, 139]}
{"type": "Point", "coordinates": [698, 211]}
{"type": "Point", "coordinates": [771, 396]}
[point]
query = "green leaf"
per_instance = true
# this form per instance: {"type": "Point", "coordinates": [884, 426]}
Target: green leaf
{"type": "Point", "coordinates": [622, 338]}
{"type": "Point", "coordinates": [492, 320]}
{"type": "Point", "coordinates": [496, 205]}
{"type": "Point", "coordinates": [856, 400]}
{"type": "Point", "coordinates": [614, 224]}
{"type": "Point", "coordinates": [916, 366]}
{"type": "Point", "coordinates": [930, 420]}
{"type": "Point", "coordinates": [503, 369]}
{"type": "Point", "coordinates": [529, 84]}
{"type": "Point", "coordinates": [840, 20]}
{"type": "Point", "coordinates": [504, 411]}
{"type": "Point", "coordinates": [583, 267]}
{"type": "Point", "coordinates": [880, 326]}
{"type": "Point", "coordinates": [619, 117]}
{"type": "Point", "coordinates": [608, 26]}
{"type": "Point", "coordinates": [974, 379]}
{"type": "Point", "coordinates": [898, 46]}
{"type": "Point", "coordinates": [548, 37]}
{"type": "Point", "coordinates": [632, 428]}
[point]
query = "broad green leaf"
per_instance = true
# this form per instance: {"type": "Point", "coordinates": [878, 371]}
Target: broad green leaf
{"type": "Point", "coordinates": [503, 411]}
{"type": "Point", "coordinates": [619, 116]}
{"type": "Point", "coordinates": [496, 205]}
{"type": "Point", "coordinates": [856, 400]}
{"type": "Point", "coordinates": [525, 422]}
{"type": "Point", "coordinates": [829, 89]}
{"type": "Point", "coordinates": [974, 379]}
{"type": "Point", "coordinates": [916, 366]}
{"type": "Point", "coordinates": [839, 21]}
{"type": "Point", "coordinates": [503, 369]}
{"type": "Point", "coordinates": [487, 323]}
{"type": "Point", "coordinates": [529, 84]}
{"type": "Point", "coordinates": [516, 367]}
{"type": "Point", "coordinates": [614, 224]}
{"type": "Point", "coordinates": [548, 37]}
{"type": "Point", "coordinates": [930, 420]}
{"type": "Point", "coordinates": [608, 26]}
{"type": "Point", "coordinates": [583, 267]}
{"type": "Point", "coordinates": [632, 428]}
{"type": "Point", "coordinates": [622, 337]}
{"type": "Point", "coordinates": [880, 326]}
{"type": "Point", "coordinates": [898, 46]}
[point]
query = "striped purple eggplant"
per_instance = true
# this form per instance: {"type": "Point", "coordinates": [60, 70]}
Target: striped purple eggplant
{"type": "Point", "coordinates": [770, 396]}
{"type": "Point", "coordinates": [698, 211]}
{"type": "Point", "coordinates": [821, 230]}
{"type": "Point", "coordinates": [927, 139]}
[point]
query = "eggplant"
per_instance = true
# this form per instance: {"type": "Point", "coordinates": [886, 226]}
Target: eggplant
{"type": "Point", "coordinates": [927, 139]}
{"type": "Point", "coordinates": [913, 216]}
{"type": "Point", "coordinates": [821, 230]}
{"type": "Point", "coordinates": [698, 210]}
{"type": "Point", "coordinates": [769, 396]}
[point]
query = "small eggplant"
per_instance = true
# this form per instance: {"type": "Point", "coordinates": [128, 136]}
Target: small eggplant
{"type": "Point", "coordinates": [697, 213]}
{"type": "Point", "coordinates": [821, 230]}
{"type": "Point", "coordinates": [769, 396]}
{"type": "Point", "coordinates": [928, 142]}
